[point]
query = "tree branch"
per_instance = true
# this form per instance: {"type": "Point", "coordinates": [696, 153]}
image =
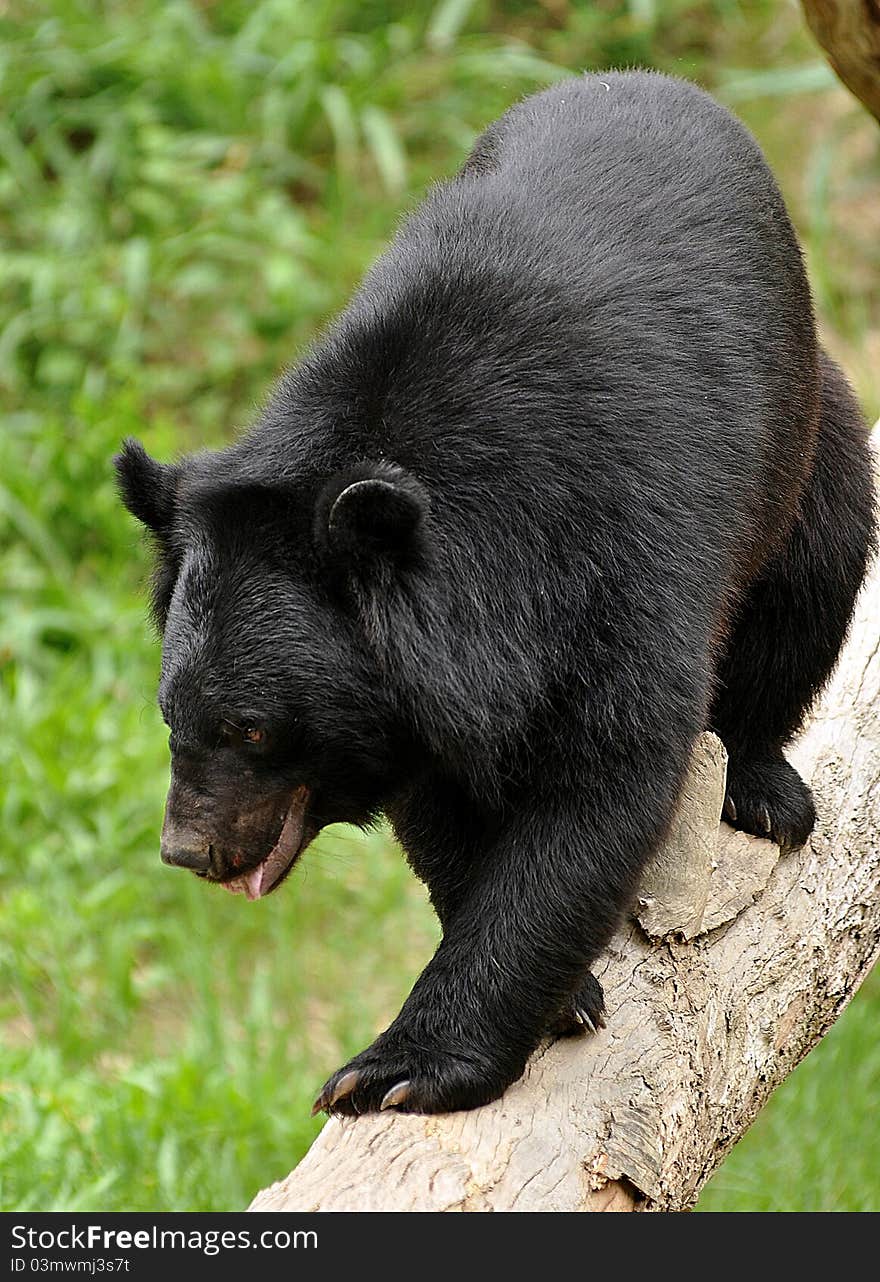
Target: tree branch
{"type": "Point", "coordinates": [738, 963]}
{"type": "Point", "coordinates": [849, 32]}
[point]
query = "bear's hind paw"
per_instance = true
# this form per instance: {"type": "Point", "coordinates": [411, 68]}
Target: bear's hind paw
{"type": "Point", "coordinates": [767, 798]}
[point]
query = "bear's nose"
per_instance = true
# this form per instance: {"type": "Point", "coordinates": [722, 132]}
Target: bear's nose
{"type": "Point", "coordinates": [183, 845]}
{"type": "Point", "coordinates": [198, 858]}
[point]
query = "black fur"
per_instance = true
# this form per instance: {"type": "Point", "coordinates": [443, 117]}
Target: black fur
{"type": "Point", "coordinates": [147, 487]}
{"type": "Point", "coordinates": [568, 481]}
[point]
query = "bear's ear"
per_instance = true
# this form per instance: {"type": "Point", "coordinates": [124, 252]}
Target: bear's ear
{"type": "Point", "coordinates": [372, 513]}
{"type": "Point", "coordinates": [148, 489]}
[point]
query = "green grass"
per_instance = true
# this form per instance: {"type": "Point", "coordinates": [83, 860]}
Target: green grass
{"type": "Point", "coordinates": [187, 193]}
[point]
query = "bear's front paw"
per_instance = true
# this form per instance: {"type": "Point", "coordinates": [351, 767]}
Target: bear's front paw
{"type": "Point", "coordinates": [583, 1012]}
{"type": "Point", "coordinates": [412, 1078]}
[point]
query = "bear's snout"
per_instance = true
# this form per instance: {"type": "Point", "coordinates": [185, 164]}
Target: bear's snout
{"type": "Point", "coordinates": [245, 841]}
{"type": "Point", "coordinates": [185, 849]}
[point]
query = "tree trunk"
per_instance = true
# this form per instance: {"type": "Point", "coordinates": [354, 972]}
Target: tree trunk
{"type": "Point", "coordinates": [737, 962]}
{"type": "Point", "coordinates": [849, 32]}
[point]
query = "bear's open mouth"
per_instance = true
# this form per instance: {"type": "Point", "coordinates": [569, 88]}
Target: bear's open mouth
{"type": "Point", "coordinates": [271, 871]}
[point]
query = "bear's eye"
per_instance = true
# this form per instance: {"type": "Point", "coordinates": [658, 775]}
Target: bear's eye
{"type": "Point", "coordinates": [241, 731]}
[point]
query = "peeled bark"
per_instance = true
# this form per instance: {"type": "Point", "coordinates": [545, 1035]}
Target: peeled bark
{"type": "Point", "coordinates": [737, 962]}
{"type": "Point", "coordinates": [849, 32]}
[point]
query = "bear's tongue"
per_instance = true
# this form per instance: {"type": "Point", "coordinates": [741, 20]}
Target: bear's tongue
{"type": "Point", "coordinates": [260, 880]}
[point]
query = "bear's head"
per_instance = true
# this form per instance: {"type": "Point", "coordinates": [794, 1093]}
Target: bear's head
{"type": "Point", "coordinates": [281, 718]}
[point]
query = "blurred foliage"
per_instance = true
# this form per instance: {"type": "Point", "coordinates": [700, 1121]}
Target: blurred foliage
{"type": "Point", "coordinates": [188, 191]}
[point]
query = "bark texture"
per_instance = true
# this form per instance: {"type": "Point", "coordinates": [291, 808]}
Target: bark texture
{"type": "Point", "coordinates": [736, 962]}
{"type": "Point", "coordinates": [849, 32]}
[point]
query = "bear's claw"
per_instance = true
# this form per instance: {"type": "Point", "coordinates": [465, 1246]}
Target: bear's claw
{"type": "Point", "coordinates": [583, 1018]}
{"type": "Point", "coordinates": [343, 1088]}
{"type": "Point", "coordinates": [584, 1012]}
{"type": "Point", "coordinates": [397, 1095]}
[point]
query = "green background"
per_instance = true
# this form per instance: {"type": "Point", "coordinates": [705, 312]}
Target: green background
{"type": "Point", "coordinates": [187, 193]}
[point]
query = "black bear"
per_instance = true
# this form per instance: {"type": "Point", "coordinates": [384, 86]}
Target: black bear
{"type": "Point", "coordinates": [568, 481]}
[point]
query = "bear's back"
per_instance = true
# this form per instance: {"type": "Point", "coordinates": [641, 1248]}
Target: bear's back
{"type": "Point", "coordinates": [608, 300]}
{"type": "Point", "coordinates": [611, 185]}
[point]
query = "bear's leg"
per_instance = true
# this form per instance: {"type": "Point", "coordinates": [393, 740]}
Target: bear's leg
{"type": "Point", "coordinates": [530, 905]}
{"type": "Point", "coordinates": [792, 625]}
{"type": "Point", "coordinates": [442, 833]}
